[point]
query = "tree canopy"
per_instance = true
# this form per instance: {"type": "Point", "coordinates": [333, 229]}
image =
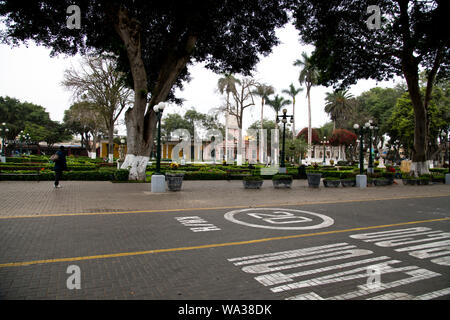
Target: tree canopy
{"type": "Point", "coordinates": [406, 42]}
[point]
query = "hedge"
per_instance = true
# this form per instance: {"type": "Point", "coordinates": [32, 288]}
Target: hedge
{"type": "Point", "coordinates": [100, 175]}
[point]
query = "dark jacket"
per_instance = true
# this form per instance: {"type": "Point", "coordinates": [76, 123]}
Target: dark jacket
{"type": "Point", "coordinates": [61, 163]}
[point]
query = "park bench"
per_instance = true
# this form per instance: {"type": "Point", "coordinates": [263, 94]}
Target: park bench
{"type": "Point", "coordinates": [36, 174]}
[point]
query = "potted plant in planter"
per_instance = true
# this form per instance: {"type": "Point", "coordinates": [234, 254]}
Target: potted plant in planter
{"type": "Point", "coordinates": [381, 181]}
{"type": "Point", "coordinates": [282, 181]}
{"type": "Point", "coordinates": [436, 178]}
{"type": "Point", "coordinates": [313, 177]}
{"type": "Point", "coordinates": [424, 179]}
{"type": "Point", "coordinates": [174, 180]}
{"type": "Point", "coordinates": [331, 182]}
{"type": "Point", "coordinates": [252, 182]}
{"type": "Point", "coordinates": [409, 180]}
{"type": "Point", "coordinates": [348, 180]}
{"type": "Point", "coordinates": [389, 176]}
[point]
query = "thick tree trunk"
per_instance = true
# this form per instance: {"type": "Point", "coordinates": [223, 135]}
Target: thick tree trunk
{"type": "Point", "coordinates": [261, 143]}
{"type": "Point", "coordinates": [309, 123]}
{"type": "Point", "coordinates": [293, 116]}
{"type": "Point", "coordinates": [111, 141]}
{"type": "Point", "coordinates": [140, 120]}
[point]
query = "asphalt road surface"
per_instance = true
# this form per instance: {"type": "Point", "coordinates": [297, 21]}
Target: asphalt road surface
{"type": "Point", "coordinates": [392, 249]}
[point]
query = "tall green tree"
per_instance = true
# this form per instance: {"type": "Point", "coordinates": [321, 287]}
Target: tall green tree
{"type": "Point", "coordinates": [227, 85]}
{"type": "Point", "coordinates": [338, 106]}
{"type": "Point", "coordinates": [349, 47]}
{"type": "Point", "coordinates": [155, 42]}
{"type": "Point", "coordinates": [16, 114]}
{"type": "Point", "coordinates": [99, 81]}
{"type": "Point", "coordinates": [293, 92]}
{"type": "Point", "coordinates": [309, 76]}
{"type": "Point", "coordinates": [263, 91]}
{"type": "Point", "coordinates": [85, 119]}
{"type": "Point", "coordinates": [277, 104]}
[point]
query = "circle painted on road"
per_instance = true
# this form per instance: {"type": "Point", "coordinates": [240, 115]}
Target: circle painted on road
{"type": "Point", "coordinates": [279, 218]}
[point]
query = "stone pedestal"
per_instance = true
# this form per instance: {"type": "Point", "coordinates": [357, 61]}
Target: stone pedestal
{"type": "Point", "coordinates": [2, 159]}
{"type": "Point", "coordinates": [282, 170]}
{"type": "Point", "coordinates": [447, 178]}
{"type": "Point", "coordinates": [158, 183]}
{"type": "Point", "coordinates": [361, 181]}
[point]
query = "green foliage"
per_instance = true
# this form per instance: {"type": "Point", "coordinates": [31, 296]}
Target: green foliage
{"type": "Point", "coordinates": [121, 175]}
{"type": "Point", "coordinates": [282, 177]}
{"type": "Point", "coordinates": [212, 174]}
{"type": "Point", "coordinates": [252, 178]}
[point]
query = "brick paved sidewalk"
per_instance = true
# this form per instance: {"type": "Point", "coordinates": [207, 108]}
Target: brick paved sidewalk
{"type": "Point", "coordinates": [36, 198]}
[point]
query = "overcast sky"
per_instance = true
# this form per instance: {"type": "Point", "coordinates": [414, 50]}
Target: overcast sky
{"type": "Point", "coordinates": [29, 74]}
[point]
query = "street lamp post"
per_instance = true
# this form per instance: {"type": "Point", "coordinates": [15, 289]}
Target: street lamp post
{"type": "Point", "coordinates": [324, 142]}
{"type": "Point", "coordinates": [3, 132]}
{"type": "Point", "coordinates": [284, 118]}
{"type": "Point", "coordinates": [371, 128]}
{"type": "Point", "coordinates": [158, 182]}
{"type": "Point", "coordinates": [447, 141]}
{"type": "Point", "coordinates": [361, 179]}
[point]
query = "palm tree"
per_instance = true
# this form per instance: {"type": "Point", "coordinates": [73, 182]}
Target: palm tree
{"type": "Point", "coordinates": [263, 91]}
{"type": "Point", "coordinates": [227, 84]}
{"type": "Point", "coordinates": [277, 104]}
{"type": "Point", "coordinates": [338, 105]}
{"type": "Point", "coordinates": [308, 76]}
{"type": "Point", "coordinates": [292, 91]}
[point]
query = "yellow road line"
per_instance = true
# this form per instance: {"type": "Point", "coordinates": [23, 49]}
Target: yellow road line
{"type": "Point", "coordinates": [215, 245]}
{"type": "Point", "coordinates": [217, 208]}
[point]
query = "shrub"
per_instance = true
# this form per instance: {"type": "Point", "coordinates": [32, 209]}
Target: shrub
{"type": "Point", "coordinates": [252, 178]}
{"type": "Point", "coordinates": [206, 175]}
{"type": "Point", "coordinates": [332, 178]}
{"type": "Point", "coordinates": [348, 175]}
{"type": "Point", "coordinates": [282, 177]}
{"type": "Point", "coordinates": [439, 170]}
{"type": "Point", "coordinates": [388, 175]}
{"type": "Point", "coordinates": [121, 175]}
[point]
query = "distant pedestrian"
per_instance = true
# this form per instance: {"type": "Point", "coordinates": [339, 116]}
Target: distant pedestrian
{"type": "Point", "coordinates": [60, 165]}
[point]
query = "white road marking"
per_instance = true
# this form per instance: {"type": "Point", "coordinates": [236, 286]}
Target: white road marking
{"type": "Point", "coordinates": [415, 275]}
{"type": "Point", "coordinates": [197, 224]}
{"type": "Point", "coordinates": [425, 247]}
{"type": "Point", "coordinates": [277, 216]}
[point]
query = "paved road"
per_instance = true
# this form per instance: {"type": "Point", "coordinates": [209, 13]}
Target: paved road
{"type": "Point", "coordinates": [355, 249]}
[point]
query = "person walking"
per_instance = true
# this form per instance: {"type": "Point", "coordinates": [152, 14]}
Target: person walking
{"type": "Point", "coordinates": [60, 165]}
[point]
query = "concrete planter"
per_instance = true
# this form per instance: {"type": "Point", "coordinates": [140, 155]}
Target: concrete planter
{"type": "Point", "coordinates": [381, 182]}
{"type": "Point", "coordinates": [348, 183]}
{"type": "Point", "coordinates": [331, 183]}
{"type": "Point", "coordinates": [174, 181]}
{"type": "Point", "coordinates": [282, 183]}
{"type": "Point", "coordinates": [410, 182]}
{"type": "Point", "coordinates": [423, 182]}
{"type": "Point", "coordinates": [252, 184]}
{"type": "Point", "coordinates": [313, 179]}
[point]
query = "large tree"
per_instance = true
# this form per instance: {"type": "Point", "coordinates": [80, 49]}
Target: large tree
{"type": "Point", "coordinates": [99, 81]}
{"type": "Point", "coordinates": [243, 99]}
{"type": "Point", "coordinates": [85, 119]}
{"type": "Point", "coordinates": [156, 41]}
{"type": "Point", "coordinates": [349, 45]}
{"type": "Point", "coordinates": [338, 106]}
{"type": "Point", "coordinates": [263, 91]}
{"type": "Point", "coordinates": [293, 92]}
{"type": "Point", "coordinates": [308, 76]}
